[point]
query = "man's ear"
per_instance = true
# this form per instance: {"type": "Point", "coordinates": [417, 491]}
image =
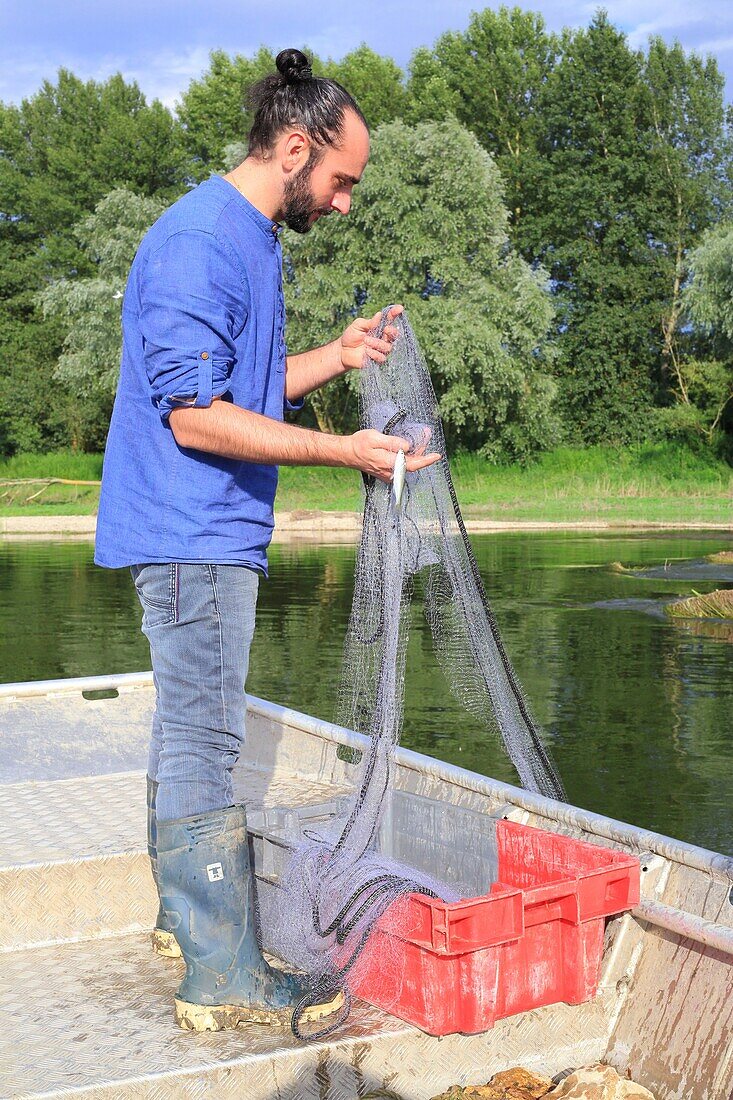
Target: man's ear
{"type": "Point", "coordinates": [295, 150]}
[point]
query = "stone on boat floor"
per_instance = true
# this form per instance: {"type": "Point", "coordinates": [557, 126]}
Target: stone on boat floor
{"type": "Point", "coordinates": [594, 1082]}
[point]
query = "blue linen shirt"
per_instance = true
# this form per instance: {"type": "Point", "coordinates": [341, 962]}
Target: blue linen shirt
{"type": "Point", "coordinates": [202, 317]}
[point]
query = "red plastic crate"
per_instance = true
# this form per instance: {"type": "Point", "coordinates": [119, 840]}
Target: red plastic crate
{"type": "Point", "coordinates": [536, 938]}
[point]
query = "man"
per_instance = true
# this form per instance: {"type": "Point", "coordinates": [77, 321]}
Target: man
{"type": "Point", "coordinates": [189, 481]}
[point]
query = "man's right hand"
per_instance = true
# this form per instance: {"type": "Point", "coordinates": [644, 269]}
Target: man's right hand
{"type": "Point", "coordinates": [375, 454]}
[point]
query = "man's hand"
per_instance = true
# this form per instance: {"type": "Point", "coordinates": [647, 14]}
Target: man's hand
{"type": "Point", "coordinates": [376, 454]}
{"type": "Point", "coordinates": [354, 344]}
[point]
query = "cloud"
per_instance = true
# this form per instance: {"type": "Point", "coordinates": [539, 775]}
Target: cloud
{"type": "Point", "coordinates": [165, 75]}
{"type": "Point", "coordinates": [162, 74]}
{"type": "Point", "coordinates": [164, 44]}
{"type": "Point", "coordinates": [716, 45]}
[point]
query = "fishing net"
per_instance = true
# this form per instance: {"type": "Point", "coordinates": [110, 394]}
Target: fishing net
{"type": "Point", "coordinates": [339, 883]}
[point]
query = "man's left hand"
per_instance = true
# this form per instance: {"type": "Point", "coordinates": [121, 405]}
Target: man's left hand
{"type": "Point", "coordinates": [356, 343]}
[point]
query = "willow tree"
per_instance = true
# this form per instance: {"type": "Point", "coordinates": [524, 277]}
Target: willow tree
{"type": "Point", "coordinates": [428, 228]}
{"type": "Point", "coordinates": [88, 309]}
{"type": "Point", "coordinates": [704, 381]}
{"type": "Point", "coordinates": [691, 157]}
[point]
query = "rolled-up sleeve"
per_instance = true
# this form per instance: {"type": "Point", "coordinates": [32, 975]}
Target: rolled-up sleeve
{"type": "Point", "coordinates": [193, 300]}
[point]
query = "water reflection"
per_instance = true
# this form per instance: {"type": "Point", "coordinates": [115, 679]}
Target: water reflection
{"type": "Point", "coordinates": [637, 708]}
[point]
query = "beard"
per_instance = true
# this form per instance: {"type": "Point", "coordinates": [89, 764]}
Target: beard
{"type": "Point", "coordinates": [299, 204]}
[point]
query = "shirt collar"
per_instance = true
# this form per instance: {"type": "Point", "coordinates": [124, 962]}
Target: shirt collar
{"type": "Point", "coordinates": [270, 228]}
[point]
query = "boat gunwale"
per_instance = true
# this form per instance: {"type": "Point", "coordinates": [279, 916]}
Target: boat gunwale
{"type": "Point", "coordinates": [632, 836]}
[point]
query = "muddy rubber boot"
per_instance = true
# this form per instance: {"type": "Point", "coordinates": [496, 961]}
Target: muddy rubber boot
{"type": "Point", "coordinates": [162, 936]}
{"type": "Point", "coordinates": [206, 887]}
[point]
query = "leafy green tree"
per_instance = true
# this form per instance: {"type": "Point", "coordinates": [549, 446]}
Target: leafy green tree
{"type": "Point", "coordinates": [61, 151]}
{"type": "Point", "coordinates": [614, 163]}
{"type": "Point", "coordinates": [589, 225]}
{"type": "Point", "coordinates": [490, 76]}
{"type": "Point", "coordinates": [417, 234]}
{"type": "Point", "coordinates": [376, 82]}
{"type": "Point", "coordinates": [704, 384]}
{"type": "Point", "coordinates": [89, 308]}
{"type": "Point", "coordinates": [213, 110]}
{"type": "Point", "coordinates": [690, 151]}
{"type": "Point", "coordinates": [432, 94]}
{"type": "Point", "coordinates": [216, 117]}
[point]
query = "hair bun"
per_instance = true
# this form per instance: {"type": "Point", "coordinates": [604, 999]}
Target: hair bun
{"type": "Point", "coordinates": [294, 66]}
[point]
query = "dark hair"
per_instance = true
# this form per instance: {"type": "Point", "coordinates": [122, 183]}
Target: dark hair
{"type": "Point", "coordinates": [294, 97]}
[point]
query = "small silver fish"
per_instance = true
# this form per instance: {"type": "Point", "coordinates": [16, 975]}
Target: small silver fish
{"type": "Point", "coordinates": [398, 478]}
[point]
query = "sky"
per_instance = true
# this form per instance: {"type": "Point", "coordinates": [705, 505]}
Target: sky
{"type": "Point", "coordinates": [164, 44]}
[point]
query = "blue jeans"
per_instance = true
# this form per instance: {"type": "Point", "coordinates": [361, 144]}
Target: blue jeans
{"type": "Point", "coordinates": [199, 620]}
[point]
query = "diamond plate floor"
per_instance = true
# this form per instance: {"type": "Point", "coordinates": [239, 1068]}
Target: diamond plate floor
{"type": "Point", "coordinates": [88, 1005]}
{"type": "Point", "coordinates": [95, 1019]}
{"type": "Point", "coordinates": [105, 815]}
{"type": "Point", "coordinates": [103, 1014]}
{"type": "Point", "coordinates": [73, 856]}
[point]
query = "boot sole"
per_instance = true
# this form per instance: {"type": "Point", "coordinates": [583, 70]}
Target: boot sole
{"type": "Point", "coordinates": [192, 1017]}
{"type": "Point", "coordinates": [165, 944]}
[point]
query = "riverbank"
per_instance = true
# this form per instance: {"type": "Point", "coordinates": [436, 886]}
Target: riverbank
{"type": "Point", "coordinates": [655, 485]}
{"type": "Point", "coordinates": [323, 526]}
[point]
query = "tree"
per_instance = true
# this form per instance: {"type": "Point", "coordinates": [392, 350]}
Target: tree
{"type": "Point", "coordinates": [60, 152]}
{"type": "Point", "coordinates": [490, 77]}
{"type": "Point", "coordinates": [89, 308]}
{"type": "Point", "coordinates": [418, 234]}
{"type": "Point", "coordinates": [691, 155]}
{"type": "Point", "coordinates": [375, 82]}
{"type": "Point", "coordinates": [704, 384]}
{"type": "Point", "coordinates": [588, 223]}
{"type": "Point", "coordinates": [213, 110]}
{"type": "Point", "coordinates": [614, 164]}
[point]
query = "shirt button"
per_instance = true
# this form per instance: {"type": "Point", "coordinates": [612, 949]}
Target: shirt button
{"type": "Point", "coordinates": [204, 355]}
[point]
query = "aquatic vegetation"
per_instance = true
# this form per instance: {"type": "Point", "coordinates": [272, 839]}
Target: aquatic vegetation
{"type": "Point", "coordinates": [723, 557]}
{"type": "Point", "coordinates": [618, 567]}
{"type": "Point", "coordinates": [712, 605]}
{"type": "Point", "coordinates": [715, 571]}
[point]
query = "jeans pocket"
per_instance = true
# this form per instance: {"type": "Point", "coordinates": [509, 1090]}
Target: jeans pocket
{"type": "Point", "coordinates": [157, 590]}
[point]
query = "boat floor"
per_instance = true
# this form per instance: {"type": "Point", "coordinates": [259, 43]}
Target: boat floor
{"type": "Point", "coordinates": [100, 1023]}
{"type": "Point", "coordinates": [89, 1006]}
{"type": "Point", "coordinates": [92, 1013]}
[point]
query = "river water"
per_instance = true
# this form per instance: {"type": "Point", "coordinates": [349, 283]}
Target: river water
{"type": "Point", "coordinates": [637, 708]}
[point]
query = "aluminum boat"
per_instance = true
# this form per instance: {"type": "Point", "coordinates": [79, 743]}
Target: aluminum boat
{"type": "Point", "coordinates": [88, 1005]}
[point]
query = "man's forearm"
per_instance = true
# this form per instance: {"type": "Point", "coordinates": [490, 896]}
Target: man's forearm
{"type": "Point", "coordinates": [228, 430]}
{"type": "Point", "coordinates": [311, 369]}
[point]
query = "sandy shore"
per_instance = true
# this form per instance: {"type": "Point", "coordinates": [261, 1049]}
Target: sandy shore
{"type": "Point", "coordinates": [332, 526]}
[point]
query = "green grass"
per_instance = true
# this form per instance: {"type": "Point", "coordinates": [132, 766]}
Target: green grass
{"type": "Point", "coordinates": [50, 500]}
{"type": "Point", "coordinates": [68, 464]}
{"type": "Point", "coordinates": [655, 483]}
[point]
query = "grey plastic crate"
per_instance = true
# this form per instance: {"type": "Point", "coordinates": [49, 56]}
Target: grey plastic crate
{"type": "Point", "coordinates": [451, 843]}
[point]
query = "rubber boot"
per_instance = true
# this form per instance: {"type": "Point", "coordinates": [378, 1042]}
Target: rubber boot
{"type": "Point", "coordinates": [207, 890]}
{"type": "Point", "coordinates": [163, 937]}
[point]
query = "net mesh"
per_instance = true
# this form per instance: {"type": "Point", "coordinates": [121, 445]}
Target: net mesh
{"type": "Point", "coordinates": [339, 883]}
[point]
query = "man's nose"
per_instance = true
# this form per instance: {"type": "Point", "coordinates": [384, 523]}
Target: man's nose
{"type": "Point", "coordinates": [341, 202]}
